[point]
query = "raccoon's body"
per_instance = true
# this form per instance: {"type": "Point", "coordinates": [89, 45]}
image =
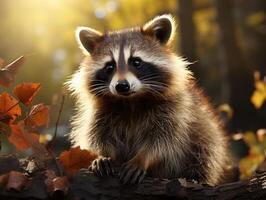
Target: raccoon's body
{"type": "Point", "coordinates": [138, 105]}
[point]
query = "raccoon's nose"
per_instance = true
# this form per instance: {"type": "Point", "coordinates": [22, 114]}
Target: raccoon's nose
{"type": "Point", "coordinates": [122, 86]}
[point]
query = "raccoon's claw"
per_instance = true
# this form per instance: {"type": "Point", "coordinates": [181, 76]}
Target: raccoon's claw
{"type": "Point", "coordinates": [102, 167]}
{"type": "Point", "coordinates": [131, 174]}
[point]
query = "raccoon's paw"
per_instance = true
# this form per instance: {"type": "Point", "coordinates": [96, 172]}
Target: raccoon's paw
{"type": "Point", "coordinates": [102, 167]}
{"type": "Point", "coordinates": [131, 174]}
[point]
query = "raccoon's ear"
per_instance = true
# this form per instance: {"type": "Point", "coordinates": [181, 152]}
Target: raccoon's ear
{"type": "Point", "coordinates": [161, 28]}
{"type": "Point", "coordinates": [88, 39]}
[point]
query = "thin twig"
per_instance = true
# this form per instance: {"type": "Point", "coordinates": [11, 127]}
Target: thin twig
{"type": "Point", "coordinates": [57, 165]}
{"type": "Point", "coordinates": [52, 143]}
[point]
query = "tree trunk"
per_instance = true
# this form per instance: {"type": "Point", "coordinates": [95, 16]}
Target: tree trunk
{"type": "Point", "coordinates": [239, 73]}
{"type": "Point", "coordinates": [254, 30]}
{"type": "Point", "coordinates": [187, 33]}
{"type": "Point", "coordinates": [254, 34]}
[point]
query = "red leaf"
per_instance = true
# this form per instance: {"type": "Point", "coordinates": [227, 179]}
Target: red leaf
{"type": "Point", "coordinates": [21, 138]}
{"type": "Point", "coordinates": [16, 181]}
{"type": "Point", "coordinates": [55, 183]}
{"type": "Point", "coordinates": [38, 116]}
{"type": "Point", "coordinates": [26, 91]}
{"type": "Point", "coordinates": [3, 179]}
{"type": "Point", "coordinates": [61, 184]}
{"type": "Point", "coordinates": [9, 108]}
{"type": "Point", "coordinates": [75, 159]}
{"type": "Point", "coordinates": [50, 174]}
{"type": "Point", "coordinates": [7, 74]}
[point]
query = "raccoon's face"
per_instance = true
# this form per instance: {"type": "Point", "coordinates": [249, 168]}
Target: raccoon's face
{"type": "Point", "coordinates": [128, 63]}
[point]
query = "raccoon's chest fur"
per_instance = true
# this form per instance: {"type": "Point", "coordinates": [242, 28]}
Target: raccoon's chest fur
{"type": "Point", "coordinates": [124, 135]}
{"type": "Point", "coordinates": [125, 127]}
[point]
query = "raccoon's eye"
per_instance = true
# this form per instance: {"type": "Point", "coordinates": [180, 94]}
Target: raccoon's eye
{"type": "Point", "coordinates": [136, 62]}
{"type": "Point", "coordinates": [109, 67]}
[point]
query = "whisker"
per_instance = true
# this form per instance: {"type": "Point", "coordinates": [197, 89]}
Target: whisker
{"type": "Point", "coordinates": [100, 81]}
{"type": "Point", "coordinates": [150, 75]}
{"type": "Point", "coordinates": [156, 83]}
{"type": "Point", "coordinates": [156, 86]}
{"type": "Point", "coordinates": [101, 92]}
{"type": "Point", "coordinates": [96, 85]}
{"type": "Point", "coordinates": [98, 89]}
{"type": "Point", "coordinates": [154, 91]}
{"type": "Point", "coordinates": [149, 78]}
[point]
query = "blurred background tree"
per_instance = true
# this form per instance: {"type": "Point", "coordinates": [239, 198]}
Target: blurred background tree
{"type": "Point", "coordinates": [224, 39]}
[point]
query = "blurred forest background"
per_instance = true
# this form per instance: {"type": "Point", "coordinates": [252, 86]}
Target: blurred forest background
{"type": "Point", "coordinates": [225, 38]}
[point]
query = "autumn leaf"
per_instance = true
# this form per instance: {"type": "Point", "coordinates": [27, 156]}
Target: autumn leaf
{"type": "Point", "coordinates": [9, 108]}
{"type": "Point", "coordinates": [13, 180]}
{"type": "Point", "coordinates": [250, 138]}
{"type": "Point", "coordinates": [26, 91]}
{"type": "Point", "coordinates": [38, 116]}
{"type": "Point", "coordinates": [75, 159]}
{"type": "Point", "coordinates": [4, 179]}
{"type": "Point", "coordinates": [55, 183]}
{"type": "Point", "coordinates": [249, 164]}
{"type": "Point", "coordinates": [23, 138]}
{"type": "Point", "coordinates": [16, 181]}
{"type": "Point", "coordinates": [50, 176]}
{"type": "Point", "coordinates": [20, 138]}
{"type": "Point", "coordinates": [45, 138]}
{"type": "Point", "coordinates": [226, 108]}
{"type": "Point", "coordinates": [261, 135]}
{"type": "Point", "coordinates": [7, 74]}
{"type": "Point", "coordinates": [60, 184]}
{"type": "Point", "coordinates": [259, 95]}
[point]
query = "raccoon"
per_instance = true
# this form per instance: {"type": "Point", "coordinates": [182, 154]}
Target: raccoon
{"type": "Point", "coordinates": [139, 108]}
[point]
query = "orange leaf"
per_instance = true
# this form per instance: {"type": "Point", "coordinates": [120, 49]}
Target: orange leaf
{"type": "Point", "coordinates": [26, 91]}
{"type": "Point", "coordinates": [75, 159]}
{"type": "Point", "coordinates": [7, 74]}
{"type": "Point", "coordinates": [21, 138]}
{"type": "Point", "coordinates": [9, 108]}
{"type": "Point", "coordinates": [38, 116]}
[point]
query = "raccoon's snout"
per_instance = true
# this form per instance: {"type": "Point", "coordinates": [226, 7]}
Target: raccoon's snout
{"type": "Point", "coordinates": [122, 87]}
{"type": "Point", "coordinates": [125, 86]}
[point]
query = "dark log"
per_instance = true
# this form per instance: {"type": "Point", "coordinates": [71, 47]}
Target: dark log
{"type": "Point", "coordinates": [84, 185]}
